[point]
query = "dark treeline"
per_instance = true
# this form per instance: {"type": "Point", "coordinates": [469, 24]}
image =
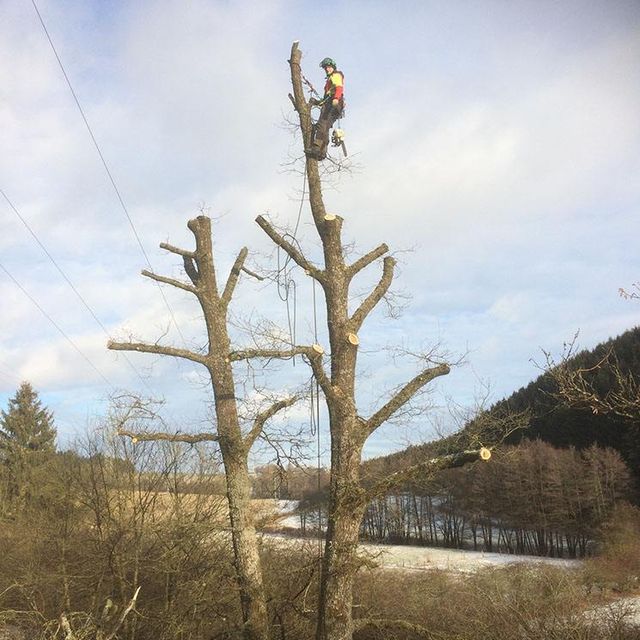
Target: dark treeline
{"type": "Point", "coordinates": [561, 425]}
{"type": "Point", "coordinates": [551, 420]}
{"type": "Point", "coordinates": [532, 499]}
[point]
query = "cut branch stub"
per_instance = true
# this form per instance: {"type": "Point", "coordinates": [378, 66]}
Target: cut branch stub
{"type": "Point", "coordinates": [293, 252]}
{"type": "Point", "coordinates": [353, 339]}
{"type": "Point", "coordinates": [158, 349]}
{"type": "Point", "coordinates": [177, 250]}
{"type": "Point", "coordinates": [156, 436]}
{"type": "Point", "coordinates": [424, 469]}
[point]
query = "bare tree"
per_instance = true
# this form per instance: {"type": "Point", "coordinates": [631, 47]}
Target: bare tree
{"type": "Point", "coordinates": [349, 430]}
{"type": "Point", "coordinates": [582, 387]}
{"type": "Point", "coordinates": [234, 443]}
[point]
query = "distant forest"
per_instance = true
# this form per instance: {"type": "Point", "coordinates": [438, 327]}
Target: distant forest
{"type": "Point", "coordinates": [552, 420]}
{"type": "Point", "coordinates": [549, 487]}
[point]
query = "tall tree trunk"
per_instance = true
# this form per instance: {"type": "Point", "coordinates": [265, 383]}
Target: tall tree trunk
{"type": "Point", "coordinates": [245, 550]}
{"type": "Point", "coordinates": [340, 562]}
{"type": "Point", "coordinates": [348, 430]}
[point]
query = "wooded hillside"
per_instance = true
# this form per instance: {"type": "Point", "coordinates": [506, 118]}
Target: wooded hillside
{"type": "Point", "coordinates": [552, 420]}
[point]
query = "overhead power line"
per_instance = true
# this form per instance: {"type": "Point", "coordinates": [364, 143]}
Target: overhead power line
{"type": "Point", "coordinates": [57, 326]}
{"type": "Point", "coordinates": [106, 167]}
{"type": "Point", "coordinates": [70, 283]}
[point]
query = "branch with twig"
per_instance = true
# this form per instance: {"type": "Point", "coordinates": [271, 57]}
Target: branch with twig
{"type": "Point", "coordinates": [430, 467]}
{"type": "Point", "coordinates": [404, 395]}
{"type": "Point", "coordinates": [263, 416]}
{"type": "Point", "coordinates": [576, 386]}
{"type": "Point", "coordinates": [172, 281]}
{"type": "Point", "coordinates": [293, 252]}
{"type": "Point", "coordinates": [158, 349]}
{"type": "Point", "coordinates": [367, 259]}
{"type": "Point", "coordinates": [155, 436]}
{"type": "Point", "coordinates": [369, 303]}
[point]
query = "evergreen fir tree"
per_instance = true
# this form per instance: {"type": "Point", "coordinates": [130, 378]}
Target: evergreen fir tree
{"type": "Point", "coordinates": [27, 437]}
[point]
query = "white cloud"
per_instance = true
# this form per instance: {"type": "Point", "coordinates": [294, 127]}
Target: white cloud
{"type": "Point", "coordinates": [504, 150]}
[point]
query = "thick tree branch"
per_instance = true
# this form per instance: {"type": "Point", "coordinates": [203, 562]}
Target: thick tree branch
{"type": "Point", "coordinates": [175, 283]}
{"type": "Point", "coordinates": [253, 274]}
{"type": "Point", "coordinates": [376, 295]}
{"type": "Point", "coordinates": [177, 250]}
{"type": "Point", "coordinates": [449, 461]}
{"type": "Point", "coordinates": [280, 354]}
{"type": "Point", "coordinates": [158, 349]}
{"type": "Point", "coordinates": [404, 395]}
{"type": "Point", "coordinates": [227, 294]}
{"type": "Point", "coordinates": [367, 259]}
{"type": "Point", "coordinates": [298, 100]}
{"type": "Point", "coordinates": [315, 362]}
{"type": "Point", "coordinates": [155, 436]}
{"type": "Point", "coordinates": [291, 251]}
{"type": "Point", "coordinates": [261, 418]}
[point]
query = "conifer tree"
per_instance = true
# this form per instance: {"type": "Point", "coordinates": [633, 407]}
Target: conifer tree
{"type": "Point", "coordinates": [27, 433]}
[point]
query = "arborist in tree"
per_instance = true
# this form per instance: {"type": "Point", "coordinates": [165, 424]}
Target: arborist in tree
{"type": "Point", "coordinates": [332, 106]}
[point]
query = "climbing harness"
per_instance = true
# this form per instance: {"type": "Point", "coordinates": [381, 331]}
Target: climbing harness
{"type": "Point", "coordinates": [337, 134]}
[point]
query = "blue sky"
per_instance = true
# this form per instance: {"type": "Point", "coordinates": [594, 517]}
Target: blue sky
{"type": "Point", "coordinates": [495, 147]}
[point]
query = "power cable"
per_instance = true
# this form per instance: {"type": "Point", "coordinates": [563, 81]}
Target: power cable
{"type": "Point", "coordinates": [70, 283]}
{"type": "Point", "coordinates": [106, 167]}
{"type": "Point", "coordinates": [8, 375]}
{"type": "Point", "coordinates": [57, 326]}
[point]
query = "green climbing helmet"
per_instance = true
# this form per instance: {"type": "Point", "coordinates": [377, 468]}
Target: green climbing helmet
{"type": "Point", "coordinates": [328, 62]}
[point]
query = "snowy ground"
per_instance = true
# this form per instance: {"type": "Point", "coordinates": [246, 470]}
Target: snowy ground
{"type": "Point", "coordinates": [407, 558]}
{"type": "Point", "coordinates": [413, 558]}
{"type": "Point", "coordinates": [623, 611]}
{"type": "Point", "coordinates": [416, 557]}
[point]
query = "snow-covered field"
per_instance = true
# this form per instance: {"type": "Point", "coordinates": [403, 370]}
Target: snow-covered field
{"type": "Point", "coordinates": [417, 558]}
{"type": "Point", "coordinates": [414, 557]}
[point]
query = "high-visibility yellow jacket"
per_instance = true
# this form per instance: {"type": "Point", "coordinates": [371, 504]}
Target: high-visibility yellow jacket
{"type": "Point", "coordinates": [334, 86]}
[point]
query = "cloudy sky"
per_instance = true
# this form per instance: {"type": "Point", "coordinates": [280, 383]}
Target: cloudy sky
{"type": "Point", "coordinates": [494, 145]}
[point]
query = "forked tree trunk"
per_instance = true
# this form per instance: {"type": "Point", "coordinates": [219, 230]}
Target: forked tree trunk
{"type": "Point", "coordinates": [234, 445]}
{"type": "Point", "coordinates": [349, 431]}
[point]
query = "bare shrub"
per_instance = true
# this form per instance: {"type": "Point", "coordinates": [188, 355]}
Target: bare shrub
{"type": "Point", "coordinates": [515, 602]}
{"type": "Point", "coordinates": [617, 565]}
{"type": "Point", "coordinates": [292, 577]}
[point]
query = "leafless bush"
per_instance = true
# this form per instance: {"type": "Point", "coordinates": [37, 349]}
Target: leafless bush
{"type": "Point", "coordinates": [617, 565]}
{"type": "Point", "coordinates": [516, 602]}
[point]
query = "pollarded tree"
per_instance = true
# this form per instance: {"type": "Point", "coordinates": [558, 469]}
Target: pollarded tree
{"type": "Point", "coordinates": [27, 433]}
{"type": "Point", "coordinates": [235, 441]}
{"type": "Point", "coordinates": [349, 430]}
